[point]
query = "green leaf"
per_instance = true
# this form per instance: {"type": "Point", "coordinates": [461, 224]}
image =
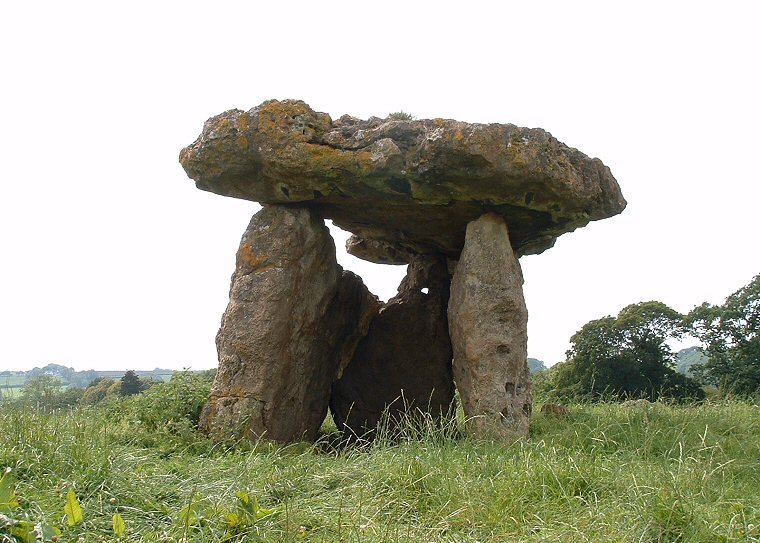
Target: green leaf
{"type": "Point", "coordinates": [244, 502]}
{"type": "Point", "coordinates": [73, 510]}
{"type": "Point", "coordinates": [263, 512]}
{"type": "Point", "coordinates": [23, 530]}
{"type": "Point", "coordinates": [189, 514]}
{"type": "Point", "coordinates": [119, 527]}
{"type": "Point", "coordinates": [251, 508]}
{"type": "Point", "coordinates": [7, 492]}
{"type": "Point", "coordinates": [232, 520]}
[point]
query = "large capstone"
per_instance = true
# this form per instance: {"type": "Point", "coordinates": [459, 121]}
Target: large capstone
{"type": "Point", "coordinates": [279, 344]}
{"type": "Point", "coordinates": [403, 187]}
{"type": "Point", "coordinates": [401, 370]}
{"type": "Point", "coordinates": [488, 326]}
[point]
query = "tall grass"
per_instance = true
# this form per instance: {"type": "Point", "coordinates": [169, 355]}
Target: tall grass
{"type": "Point", "coordinates": [606, 473]}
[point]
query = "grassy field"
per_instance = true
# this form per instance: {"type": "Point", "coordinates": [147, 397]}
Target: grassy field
{"type": "Point", "coordinates": [10, 392]}
{"type": "Point", "coordinates": [15, 380]}
{"type": "Point", "coordinates": [608, 473]}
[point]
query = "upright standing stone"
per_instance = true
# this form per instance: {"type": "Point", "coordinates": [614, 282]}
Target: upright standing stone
{"type": "Point", "coordinates": [275, 363]}
{"type": "Point", "coordinates": [488, 327]}
{"type": "Point", "coordinates": [404, 362]}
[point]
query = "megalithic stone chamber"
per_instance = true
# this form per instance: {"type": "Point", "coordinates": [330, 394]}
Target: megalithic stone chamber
{"type": "Point", "coordinates": [405, 189]}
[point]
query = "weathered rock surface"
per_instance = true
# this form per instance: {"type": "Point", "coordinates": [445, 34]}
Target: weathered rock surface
{"type": "Point", "coordinates": [285, 331]}
{"type": "Point", "coordinates": [349, 318]}
{"type": "Point", "coordinates": [404, 362]}
{"type": "Point", "coordinates": [403, 187]}
{"type": "Point", "coordinates": [488, 327]}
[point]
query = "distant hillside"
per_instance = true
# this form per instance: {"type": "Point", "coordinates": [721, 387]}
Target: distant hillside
{"type": "Point", "coordinates": [71, 377]}
{"type": "Point", "coordinates": [686, 358]}
{"type": "Point", "coordinates": [534, 364]}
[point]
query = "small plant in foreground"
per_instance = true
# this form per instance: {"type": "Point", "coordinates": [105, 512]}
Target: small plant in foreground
{"type": "Point", "coordinates": [73, 509]}
{"type": "Point", "coordinates": [247, 512]}
{"type": "Point", "coordinates": [15, 526]}
{"type": "Point", "coordinates": [119, 526]}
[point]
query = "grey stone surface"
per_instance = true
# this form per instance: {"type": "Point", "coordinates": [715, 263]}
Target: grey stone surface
{"type": "Point", "coordinates": [277, 358]}
{"type": "Point", "coordinates": [488, 327]}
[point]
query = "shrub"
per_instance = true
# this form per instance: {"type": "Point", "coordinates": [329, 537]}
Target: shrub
{"type": "Point", "coordinates": [173, 405]}
{"type": "Point", "coordinates": [70, 397]}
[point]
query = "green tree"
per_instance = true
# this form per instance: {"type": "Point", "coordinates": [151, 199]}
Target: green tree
{"type": "Point", "coordinates": [97, 390]}
{"type": "Point", "coordinates": [131, 384]}
{"type": "Point", "coordinates": [83, 378]}
{"type": "Point", "coordinates": [731, 336]}
{"type": "Point", "coordinates": [69, 397]}
{"type": "Point", "coordinates": [42, 390]}
{"type": "Point", "coordinates": [626, 357]}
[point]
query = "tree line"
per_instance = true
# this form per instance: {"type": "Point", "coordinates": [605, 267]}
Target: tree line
{"type": "Point", "coordinates": [628, 356]}
{"type": "Point", "coordinates": [48, 391]}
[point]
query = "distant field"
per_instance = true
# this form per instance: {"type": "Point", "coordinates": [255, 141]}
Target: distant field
{"type": "Point", "coordinates": [10, 392]}
{"type": "Point", "coordinates": [12, 380]}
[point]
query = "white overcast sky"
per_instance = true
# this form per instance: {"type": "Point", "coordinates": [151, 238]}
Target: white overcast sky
{"type": "Point", "coordinates": [112, 258]}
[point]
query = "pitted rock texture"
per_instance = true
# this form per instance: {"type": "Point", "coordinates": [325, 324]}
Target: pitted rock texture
{"type": "Point", "coordinates": [488, 326]}
{"type": "Point", "coordinates": [279, 344]}
{"type": "Point", "coordinates": [404, 362]}
{"type": "Point", "coordinates": [403, 187]}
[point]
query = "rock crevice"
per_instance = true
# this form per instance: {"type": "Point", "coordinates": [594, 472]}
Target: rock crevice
{"type": "Point", "coordinates": [402, 367]}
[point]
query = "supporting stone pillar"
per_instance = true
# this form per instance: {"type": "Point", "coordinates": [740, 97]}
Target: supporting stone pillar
{"type": "Point", "coordinates": [404, 362]}
{"type": "Point", "coordinates": [279, 347]}
{"type": "Point", "coordinates": [488, 326]}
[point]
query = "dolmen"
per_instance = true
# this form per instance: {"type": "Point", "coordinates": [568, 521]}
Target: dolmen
{"type": "Point", "coordinates": [458, 203]}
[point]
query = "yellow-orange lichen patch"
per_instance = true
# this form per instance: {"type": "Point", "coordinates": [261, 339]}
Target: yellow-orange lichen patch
{"type": "Point", "coordinates": [246, 257]}
{"type": "Point", "coordinates": [242, 142]}
{"type": "Point", "coordinates": [237, 391]}
{"type": "Point", "coordinates": [325, 159]}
